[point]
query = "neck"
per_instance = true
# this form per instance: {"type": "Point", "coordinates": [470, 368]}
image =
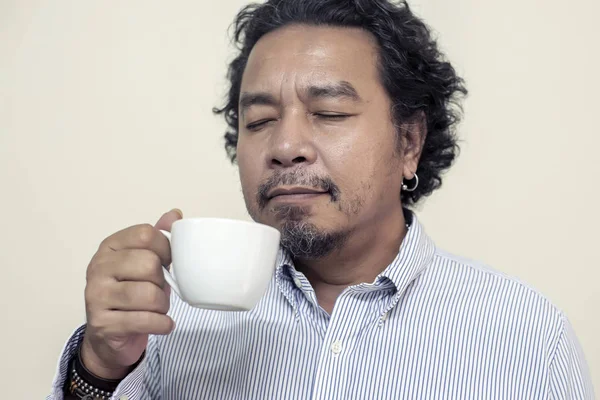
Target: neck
{"type": "Point", "coordinates": [366, 253]}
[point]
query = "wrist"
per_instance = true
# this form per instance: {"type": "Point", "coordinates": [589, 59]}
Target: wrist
{"type": "Point", "coordinates": [96, 366]}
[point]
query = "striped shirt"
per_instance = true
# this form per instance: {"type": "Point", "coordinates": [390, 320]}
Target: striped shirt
{"type": "Point", "coordinates": [431, 326]}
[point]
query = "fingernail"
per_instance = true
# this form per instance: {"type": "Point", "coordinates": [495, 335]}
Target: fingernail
{"type": "Point", "coordinates": [178, 211]}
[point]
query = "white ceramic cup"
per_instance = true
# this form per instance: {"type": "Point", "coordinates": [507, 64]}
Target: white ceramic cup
{"type": "Point", "coordinates": [221, 264]}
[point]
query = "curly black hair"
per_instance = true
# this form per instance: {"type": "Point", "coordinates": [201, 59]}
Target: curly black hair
{"type": "Point", "coordinates": [416, 75]}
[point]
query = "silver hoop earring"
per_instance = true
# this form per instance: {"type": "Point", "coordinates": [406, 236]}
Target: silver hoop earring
{"type": "Point", "coordinates": [412, 189]}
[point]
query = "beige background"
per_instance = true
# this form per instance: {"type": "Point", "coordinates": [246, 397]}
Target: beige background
{"type": "Point", "coordinates": [105, 121]}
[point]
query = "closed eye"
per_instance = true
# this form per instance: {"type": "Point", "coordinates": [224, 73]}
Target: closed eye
{"type": "Point", "coordinates": [332, 116]}
{"type": "Point", "coordinates": [255, 126]}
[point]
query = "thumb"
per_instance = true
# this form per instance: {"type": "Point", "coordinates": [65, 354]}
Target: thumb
{"type": "Point", "coordinates": [167, 219]}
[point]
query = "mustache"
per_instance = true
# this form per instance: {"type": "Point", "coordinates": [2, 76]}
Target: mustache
{"type": "Point", "coordinates": [296, 178]}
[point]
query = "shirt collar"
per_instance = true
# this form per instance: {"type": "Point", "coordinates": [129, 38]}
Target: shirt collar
{"type": "Point", "coordinates": [415, 253]}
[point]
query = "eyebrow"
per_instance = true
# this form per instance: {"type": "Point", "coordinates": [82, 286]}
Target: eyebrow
{"type": "Point", "coordinates": [341, 89]}
{"type": "Point", "coordinates": [335, 90]}
{"type": "Point", "coordinates": [248, 100]}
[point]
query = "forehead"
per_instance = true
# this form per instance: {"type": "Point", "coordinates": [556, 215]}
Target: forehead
{"type": "Point", "coordinates": [303, 55]}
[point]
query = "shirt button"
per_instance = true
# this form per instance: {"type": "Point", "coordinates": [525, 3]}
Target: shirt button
{"type": "Point", "coordinates": [298, 283]}
{"type": "Point", "coordinates": [336, 347]}
{"type": "Point", "coordinates": [384, 317]}
{"type": "Point", "coordinates": [124, 397]}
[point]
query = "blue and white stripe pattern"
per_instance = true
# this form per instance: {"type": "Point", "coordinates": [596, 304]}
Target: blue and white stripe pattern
{"type": "Point", "coordinates": [431, 326]}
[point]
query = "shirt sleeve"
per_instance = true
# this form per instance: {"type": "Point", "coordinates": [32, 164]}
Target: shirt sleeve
{"type": "Point", "coordinates": [141, 384]}
{"type": "Point", "coordinates": [569, 374]}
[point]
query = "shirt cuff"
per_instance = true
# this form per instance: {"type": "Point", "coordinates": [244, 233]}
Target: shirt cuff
{"type": "Point", "coordinates": [130, 388]}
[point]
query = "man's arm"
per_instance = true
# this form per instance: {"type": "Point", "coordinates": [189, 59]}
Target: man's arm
{"type": "Point", "coordinates": [569, 374]}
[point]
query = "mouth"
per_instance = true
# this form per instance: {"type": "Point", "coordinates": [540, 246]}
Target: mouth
{"type": "Point", "coordinates": [295, 194]}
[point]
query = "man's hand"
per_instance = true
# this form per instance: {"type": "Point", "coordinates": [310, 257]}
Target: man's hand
{"type": "Point", "coordinates": [126, 297]}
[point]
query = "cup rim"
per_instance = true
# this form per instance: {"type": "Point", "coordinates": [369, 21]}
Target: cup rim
{"type": "Point", "coordinates": [231, 221]}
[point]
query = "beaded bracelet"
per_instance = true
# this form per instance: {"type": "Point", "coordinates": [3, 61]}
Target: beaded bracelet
{"type": "Point", "coordinates": [85, 385]}
{"type": "Point", "coordinates": [84, 390]}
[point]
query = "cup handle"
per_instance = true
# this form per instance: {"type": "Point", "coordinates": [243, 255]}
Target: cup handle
{"type": "Point", "coordinates": [168, 276]}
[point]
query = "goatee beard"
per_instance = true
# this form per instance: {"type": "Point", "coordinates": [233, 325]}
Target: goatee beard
{"type": "Point", "coordinates": [304, 240]}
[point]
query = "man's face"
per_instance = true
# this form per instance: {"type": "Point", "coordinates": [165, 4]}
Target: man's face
{"type": "Point", "coordinates": [317, 147]}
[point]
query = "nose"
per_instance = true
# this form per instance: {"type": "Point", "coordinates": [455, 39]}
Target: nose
{"type": "Point", "coordinates": [292, 143]}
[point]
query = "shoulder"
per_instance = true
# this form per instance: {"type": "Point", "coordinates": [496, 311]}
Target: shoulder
{"type": "Point", "coordinates": [496, 291]}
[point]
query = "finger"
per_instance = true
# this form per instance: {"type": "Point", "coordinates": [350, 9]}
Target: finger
{"type": "Point", "coordinates": [138, 296]}
{"type": "Point", "coordinates": [137, 265]}
{"type": "Point", "coordinates": [143, 236]}
{"type": "Point", "coordinates": [137, 322]}
{"type": "Point", "coordinates": [166, 221]}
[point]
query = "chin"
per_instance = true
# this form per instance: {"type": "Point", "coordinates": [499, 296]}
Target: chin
{"type": "Point", "coordinates": [306, 240]}
{"type": "Point", "coordinates": [289, 213]}
{"type": "Point", "coordinates": [291, 217]}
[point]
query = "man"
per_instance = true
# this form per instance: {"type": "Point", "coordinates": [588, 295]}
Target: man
{"type": "Point", "coordinates": [341, 115]}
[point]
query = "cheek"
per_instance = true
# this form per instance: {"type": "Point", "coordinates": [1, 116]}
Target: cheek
{"type": "Point", "coordinates": [249, 176]}
{"type": "Point", "coordinates": [368, 169]}
{"type": "Point", "coordinates": [357, 159]}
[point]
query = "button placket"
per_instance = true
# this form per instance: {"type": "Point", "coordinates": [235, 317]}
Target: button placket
{"type": "Point", "coordinates": [336, 346]}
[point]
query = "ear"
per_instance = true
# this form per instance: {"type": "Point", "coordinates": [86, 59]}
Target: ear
{"type": "Point", "coordinates": [415, 132]}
